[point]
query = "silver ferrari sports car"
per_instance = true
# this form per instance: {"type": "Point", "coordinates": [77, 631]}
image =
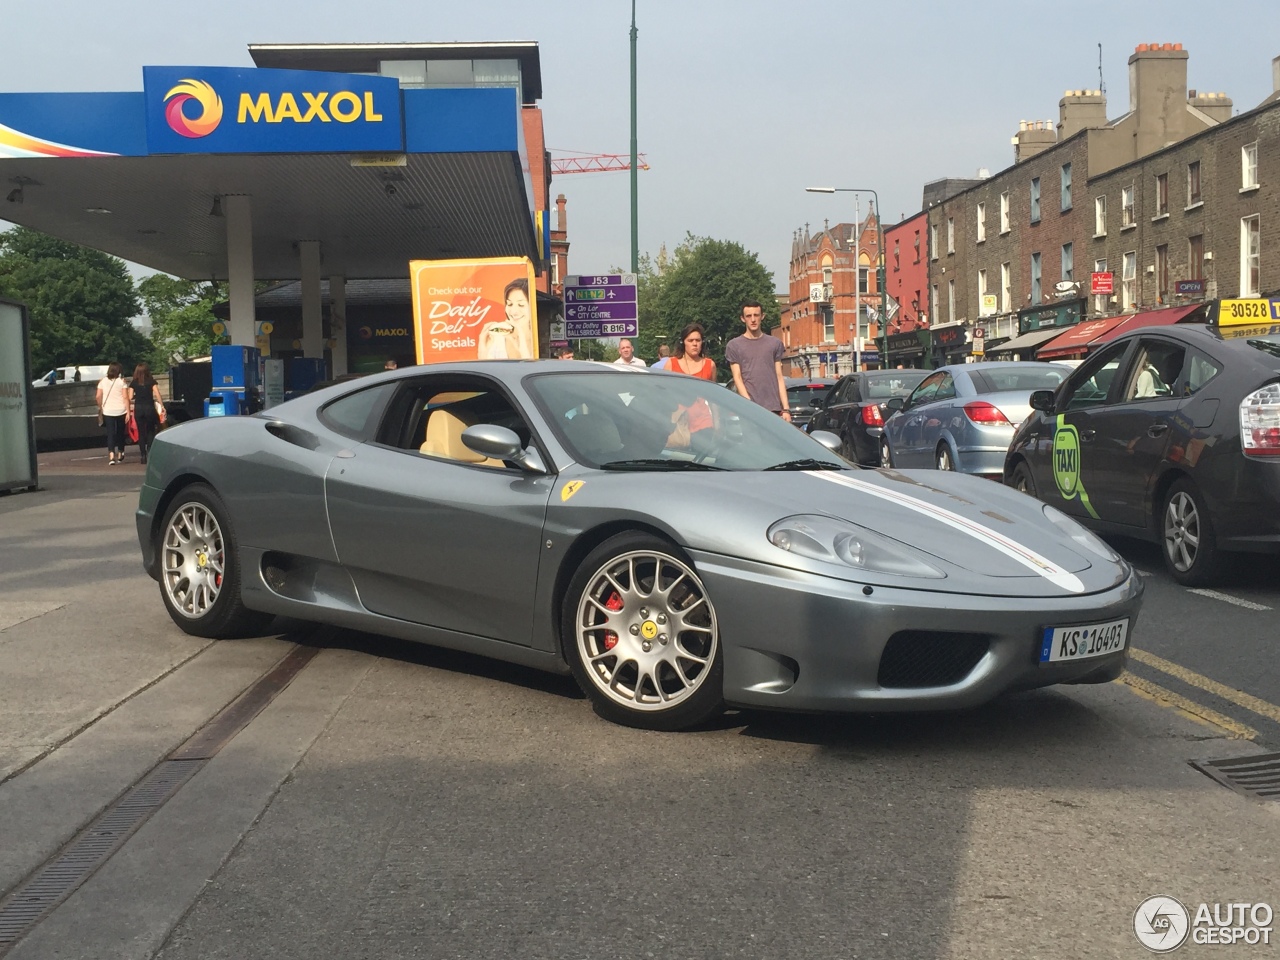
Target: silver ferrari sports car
{"type": "Point", "coordinates": [672, 545]}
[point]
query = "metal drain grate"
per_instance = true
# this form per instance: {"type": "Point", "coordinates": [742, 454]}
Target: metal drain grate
{"type": "Point", "coordinates": [94, 844]}
{"type": "Point", "coordinates": [1256, 776]}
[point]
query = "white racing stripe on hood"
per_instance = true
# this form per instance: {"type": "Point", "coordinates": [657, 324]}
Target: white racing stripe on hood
{"type": "Point", "coordinates": [1024, 555]}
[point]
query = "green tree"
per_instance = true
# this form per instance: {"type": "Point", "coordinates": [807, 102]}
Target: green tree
{"type": "Point", "coordinates": [704, 281]}
{"type": "Point", "coordinates": [182, 317]}
{"type": "Point", "coordinates": [82, 301]}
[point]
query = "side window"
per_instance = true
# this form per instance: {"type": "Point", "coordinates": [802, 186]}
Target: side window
{"type": "Point", "coordinates": [356, 415]}
{"type": "Point", "coordinates": [1200, 370]}
{"type": "Point", "coordinates": [845, 392]}
{"type": "Point", "coordinates": [1090, 384]}
{"type": "Point", "coordinates": [1155, 369]}
{"type": "Point", "coordinates": [429, 414]}
{"type": "Point", "coordinates": [926, 391]}
{"type": "Point", "coordinates": [946, 388]}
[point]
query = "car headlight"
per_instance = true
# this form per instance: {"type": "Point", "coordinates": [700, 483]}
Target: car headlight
{"type": "Point", "coordinates": [1086, 538]}
{"type": "Point", "coordinates": [839, 541]}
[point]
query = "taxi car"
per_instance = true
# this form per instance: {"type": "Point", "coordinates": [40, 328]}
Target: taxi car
{"type": "Point", "coordinates": [1170, 434]}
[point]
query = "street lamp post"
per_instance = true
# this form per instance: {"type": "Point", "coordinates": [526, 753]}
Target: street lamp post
{"type": "Point", "coordinates": [880, 278]}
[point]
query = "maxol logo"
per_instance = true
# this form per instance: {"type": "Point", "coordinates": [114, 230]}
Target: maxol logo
{"type": "Point", "coordinates": [204, 96]}
{"type": "Point", "coordinates": [344, 106]}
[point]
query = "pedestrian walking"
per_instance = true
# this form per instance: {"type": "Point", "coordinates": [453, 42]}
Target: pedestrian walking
{"type": "Point", "coordinates": [146, 406]}
{"type": "Point", "coordinates": [755, 358]}
{"type": "Point", "coordinates": [663, 353]}
{"type": "Point", "coordinates": [689, 360]}
{"type": "Point", "coordinates": [627, 355]}
{"type": "Point", "coordinates": [112, 398]}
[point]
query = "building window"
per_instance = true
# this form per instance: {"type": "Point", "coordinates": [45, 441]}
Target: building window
{"type": "Point", "coordinates": [1099, 216]}
{"type": "Point", "coordinates": [1100, 301]}
{"type": "Point", "coordinates": [1193, 182]}
{"type": "Point", "coordinates": [1035, 278]}
{"type": "Point", "coordinates": [1068, 263]}
{"type": "Point", "coordinates": [1126, 207]}
{"type": "Point", "coordinates": [828, 324]}
{"type": "Point", "coordinates": [982, 287]}
{"type": "Point", "coordinates": [951, 300]}
{"type": "Point", "coordinates": [1162, 272]}
{"type": "Point", "coordinates": [826, 276]}
{"type": "Point", "coordinates": [1004, 212]}
{"type": "Point", "coordinates": [1129, 280]}
{"type": "Point", "coordinates": [1006, 287]}
{"type": "Point", "coordinates": [897, 263]}
{"type": "Point", "coordinates": [555, 271]}
{"type": "Point", "coordinates": [933, 241]}
{"type": "Point", "coordinates": [1162, 195]}
{"type": "Point", "coordinates": [1250, 257]}
{"type": "Point", "coordinates": [1035, 200]}
{"type": "Point", "coordinates": [1195, 257]}
{"type": "Point", "coordinates": [1249, 166]}
{"type": "Point", "coordinates": [863, 271]}
{"type": "Point", "coordinates": [1066, 186]}
{"type": "Point", "coordinates": [982, 222]}
{"type": "Point", "coordinates": [951, 234]}
{"type": "Point", "coordinates": [933, 303]}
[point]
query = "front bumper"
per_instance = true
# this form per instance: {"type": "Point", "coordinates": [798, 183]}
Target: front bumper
{"type": "Point", "coordinates": [797, 641]}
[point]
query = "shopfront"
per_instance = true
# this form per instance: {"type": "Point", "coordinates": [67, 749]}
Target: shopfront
{"type": "Point", "coordinates": [908, 350]}
{"type": "Point", "coordinates": [1036, 327]}
{"type": "Point", "coordinates": [950, 344]}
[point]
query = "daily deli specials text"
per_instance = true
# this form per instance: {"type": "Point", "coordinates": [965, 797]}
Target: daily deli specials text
{"type": "Point", "coordinates": [474, 309]}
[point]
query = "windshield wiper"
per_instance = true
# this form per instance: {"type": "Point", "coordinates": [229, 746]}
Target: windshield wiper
{"type": "Point", "coordinates": [806, 464]}
{"type": "Point", "coordinates": [657, 464]}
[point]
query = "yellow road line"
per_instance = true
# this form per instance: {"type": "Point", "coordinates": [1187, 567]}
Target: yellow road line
{"type": "Point", "coordinates": [1195, 711]}
{"type": "Point", "coordinates": [1241, 699]}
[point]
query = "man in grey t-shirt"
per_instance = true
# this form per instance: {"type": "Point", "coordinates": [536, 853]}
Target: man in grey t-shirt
{"type": "Point", "coordinates": [756, 361]}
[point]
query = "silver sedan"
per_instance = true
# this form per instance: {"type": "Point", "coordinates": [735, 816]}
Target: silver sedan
{"type": "Point", "coordinates": [962, 417]}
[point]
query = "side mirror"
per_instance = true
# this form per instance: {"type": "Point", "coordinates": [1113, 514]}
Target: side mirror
{"type": "Point", "coordinates": [1042, 400]}
{"type": "Point", "coordinates": [828, 439]}
{"type": "Point", "coordinates": [502, 444]}
{"type": "Point", "coordinates": [893, 405]}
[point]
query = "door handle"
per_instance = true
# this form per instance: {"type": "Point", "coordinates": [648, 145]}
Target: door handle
{"type": "Point", "coordinates": [1087, 435]}
{"type": "Point", "coordinates": [1156, 429]}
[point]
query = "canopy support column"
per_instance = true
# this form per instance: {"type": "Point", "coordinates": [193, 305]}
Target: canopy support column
{"type": "Point", "coordinates": [312, 322]}
{"type": "Point", "coordinates": [239, 214]}
{"type": "Point", "coordinates": [338, 323]}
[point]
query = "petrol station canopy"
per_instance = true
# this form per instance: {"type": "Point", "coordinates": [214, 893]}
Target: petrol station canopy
{"type": "Point", "coordinates": [377, 153]}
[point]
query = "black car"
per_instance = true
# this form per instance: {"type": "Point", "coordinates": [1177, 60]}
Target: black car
{"type": "Point", "coordinates": [1171, 434]}
{"type": "Point", "coordinates": [801, 392]}
{"type": "Point", "coordinates": [854, 410]}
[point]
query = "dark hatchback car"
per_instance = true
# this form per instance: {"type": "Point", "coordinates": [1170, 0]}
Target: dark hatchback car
{"type": "Point", "coordinates": [1169, 434]}
{"type": "Point", "coordinates": [853, 410]}
{"type": "Point", "coordinates": [801, 393]}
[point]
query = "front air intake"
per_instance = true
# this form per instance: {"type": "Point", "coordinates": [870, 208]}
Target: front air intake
{"type": "Point", "coordinates": [925, 658]}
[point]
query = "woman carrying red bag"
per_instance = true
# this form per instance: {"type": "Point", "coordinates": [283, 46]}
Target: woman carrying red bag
{"type": "Point", "coordinates": [146, 407]}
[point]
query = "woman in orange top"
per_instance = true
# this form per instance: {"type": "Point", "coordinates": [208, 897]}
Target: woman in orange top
{"type": "Point", "coordinates": [688, 359]}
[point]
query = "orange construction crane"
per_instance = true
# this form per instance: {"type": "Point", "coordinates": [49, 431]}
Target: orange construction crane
{"type": "Point", "coordinates": [595, 163]}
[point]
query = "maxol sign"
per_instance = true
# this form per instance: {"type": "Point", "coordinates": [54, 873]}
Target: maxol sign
{"type": "Point", "coordinates": [229, 110]}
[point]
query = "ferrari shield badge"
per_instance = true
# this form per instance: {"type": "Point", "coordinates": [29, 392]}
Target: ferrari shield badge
{"type": "Point", "coordinates": [570, 488]}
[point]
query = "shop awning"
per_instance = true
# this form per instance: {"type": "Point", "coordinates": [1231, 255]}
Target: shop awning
{"type": "Point", "coordinates": [1152, 318]}
{"type": "Point", "coordinates": [1028, 342]}
{"type": "Point", "coordinates": [1078, 338]}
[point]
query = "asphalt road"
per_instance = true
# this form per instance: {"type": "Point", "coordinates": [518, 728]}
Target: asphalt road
{"type": "Point", "coordinates": [398, 801]}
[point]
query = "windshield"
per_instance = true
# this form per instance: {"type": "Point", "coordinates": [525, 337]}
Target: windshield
{"type": "Point", "coordinates": [1269, 345]}
{"type": "Point", "coordinates": [900, 383]}
{"type": "Point", "coordinates": [646, 422]}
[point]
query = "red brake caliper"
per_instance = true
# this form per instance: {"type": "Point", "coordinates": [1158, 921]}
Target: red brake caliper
{"type": "Point", "coordinates": [614, 603]}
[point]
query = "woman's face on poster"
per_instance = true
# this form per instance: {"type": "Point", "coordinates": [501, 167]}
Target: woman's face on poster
{"type": "Point", "coordinates": [517, 306]}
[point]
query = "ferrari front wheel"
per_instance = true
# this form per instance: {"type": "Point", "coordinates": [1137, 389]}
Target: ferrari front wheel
{"type": "Point", "coordinates": [641, 635]}
{"type": "Point", "coordinates": [200, 568]}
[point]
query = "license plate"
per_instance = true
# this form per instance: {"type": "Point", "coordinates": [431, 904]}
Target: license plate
{"type": "Point", "coordinates": [1083, 642]}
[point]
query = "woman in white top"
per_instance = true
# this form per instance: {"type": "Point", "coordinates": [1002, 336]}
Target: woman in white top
{"type": "Point", "coordinates": [113, 406]}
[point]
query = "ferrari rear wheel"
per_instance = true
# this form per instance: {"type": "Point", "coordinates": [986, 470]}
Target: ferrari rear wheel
{"type": "Point", "coordinates": [641, 635]}
{"type": "Point", "coordinates": [886, 455]}
{"type": "Point", "coordinates": [200, 568]}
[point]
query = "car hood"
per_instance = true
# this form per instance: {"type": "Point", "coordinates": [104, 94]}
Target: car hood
{"type": "Point", "coordinates": [986, 538]}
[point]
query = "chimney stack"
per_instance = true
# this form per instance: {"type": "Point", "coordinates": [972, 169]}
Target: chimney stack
{"type": "Point", "coordinates": [1215, 106]}
{"type": "Point", "coordinates": [1081, 110]}
{"type": "Point", "coordinates": [1033, 136]}
{"type": "Point", "coordinates": [1275, 75]}
{"type": "Point", "coordinates": [1157, 94]}
{"type": "Point", "coordinates": [562, 222]}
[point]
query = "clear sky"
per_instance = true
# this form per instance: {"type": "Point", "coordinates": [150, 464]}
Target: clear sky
{"type": "Point", "coordinates": [742, 103]}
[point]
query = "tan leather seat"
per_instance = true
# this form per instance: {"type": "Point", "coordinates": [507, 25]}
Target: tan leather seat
{"type": "Point", "coordinates": [444, 439]}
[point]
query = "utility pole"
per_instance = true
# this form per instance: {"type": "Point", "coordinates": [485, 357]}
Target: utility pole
{"type": "Point", "coordinates": [635, 166]}
{"type": "Point", "coordinates": [857, 284]}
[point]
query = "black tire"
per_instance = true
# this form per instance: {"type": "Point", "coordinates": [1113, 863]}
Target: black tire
{"type": "Point", "coordinates": [1022, 481]}
{"type": "Point", "coordinates": [194, 541]}
{"type": "Point", "coordinates": [1187, 541]}
{"type": "Point", "coordinates": [886, 455]}
{"type": "Point", "coordinates": [943, 459]}
{"type": "Point", "coordinates": [669, 644]}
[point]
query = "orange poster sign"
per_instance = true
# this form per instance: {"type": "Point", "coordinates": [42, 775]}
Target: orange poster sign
{"type": "Point", "coordinates": [474, 309]}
